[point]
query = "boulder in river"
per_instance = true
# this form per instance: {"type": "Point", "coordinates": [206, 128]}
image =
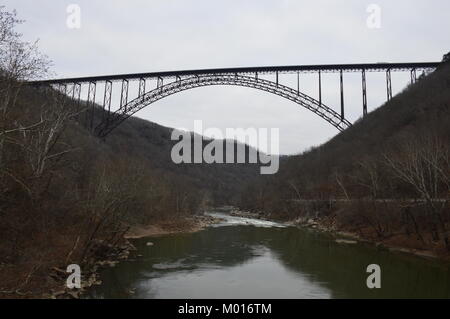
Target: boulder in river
{"type": "Point", "coordinates": [346, 241]}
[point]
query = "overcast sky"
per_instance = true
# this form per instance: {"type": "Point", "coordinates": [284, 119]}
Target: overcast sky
{"type": "Point", "coordinates": [139, 36]}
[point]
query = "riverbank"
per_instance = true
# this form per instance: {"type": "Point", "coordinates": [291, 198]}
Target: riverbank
{"type": "Point", "coordinates": [395, 243]}
{"type": "Point", "coordinates": [398, 242]}
{"type": "Point", "coordinates": [187, 224]}
{"type": "Point", "coordinates": [181, 225]}
{"type": "Point", "coordinates": [109, 255]}
{"type": "Point", "coordinates": [255, 258]}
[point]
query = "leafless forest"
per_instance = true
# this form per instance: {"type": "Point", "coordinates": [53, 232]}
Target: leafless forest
{"type": "Point", "coordinates": [68, 197]}
{"type": "Point", "coordinates": [386, 178]}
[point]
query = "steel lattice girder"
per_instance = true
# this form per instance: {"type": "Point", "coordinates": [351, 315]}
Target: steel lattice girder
{"type": "Point", "coordinates": [326, 68]}
{"type": "Point", "coordinates": [150, 97]}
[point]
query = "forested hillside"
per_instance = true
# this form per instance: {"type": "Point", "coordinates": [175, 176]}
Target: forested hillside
{"type": "Point", "coordinates": [63, 185]}
{"type": "Point", "coordinates": [384, 178]}
{"type": "Point", "coordinates": [221, 183]}
{"type": "Point", "coordinates": [68, 196]}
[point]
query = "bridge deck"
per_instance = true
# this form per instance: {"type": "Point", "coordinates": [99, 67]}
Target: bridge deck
{"type": "Point", "coordinates": [327, 68]}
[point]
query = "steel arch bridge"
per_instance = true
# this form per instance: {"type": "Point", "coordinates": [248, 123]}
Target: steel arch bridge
{"type": "Point", "coordinates": [154, 95]}
{"type": "Point", "coordinates": [245, 77]}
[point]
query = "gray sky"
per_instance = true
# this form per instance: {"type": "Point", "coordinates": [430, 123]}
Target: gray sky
{"type": "Point", "coordinates": [140, 36]}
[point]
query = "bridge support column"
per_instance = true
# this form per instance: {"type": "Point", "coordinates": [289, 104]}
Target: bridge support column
{"type": "Point", "coordinates": [298, 83]}
{"type": "Point", "coordinates": [388, 84]}
{"type": "Point", "coordinates": [62, 88]}
{"type": "Point", "coordinates": [320, 88]}
{"type": "Point", "coordinates": [276, 73]}
{"type": "Point", "coordinates": [91, 102]}
{"type": "Point", "coordinates": [413, 76]}
{"type": "Point", "coordinates": [107, 99]}
{"type": "Point", "coordinates": [76, 94]}
{"type": "Point", "coordinates": [124, 94]}
{"type": "Point", "coordinates": [178, 79]}
{"type": "Point", "coordinates": [364, 92]}
{"type": "Point", "coordinates": [141, 87]}
{"type": "Point", "coordinates": [342, 95]}
{"type": "Point", "coordinates": [159, 83]}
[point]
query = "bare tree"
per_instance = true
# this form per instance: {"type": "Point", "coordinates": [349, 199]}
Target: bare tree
{"type": "Point", "coordinates": [42, 140]}
{"type": "Point", "coordinates": [369, 176]}
{"type": "Point", "coordinates": [19, 61]}
{"type": "Point", "coordinates": [341, 184]}
{"type": "Point", "coordinates": [423, 164]}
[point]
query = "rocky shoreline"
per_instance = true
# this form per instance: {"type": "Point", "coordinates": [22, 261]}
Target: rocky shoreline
{"type": "Point", "coordinates": [346, 237]}
{"type": "Point", "coordinates": [111, 255]}
{"type": "Point", "coordinates": [340, 236]}
{"type": "Point", "coordinates": [183, 225]}
{"type": "Point", "coordinates": [91, 275]}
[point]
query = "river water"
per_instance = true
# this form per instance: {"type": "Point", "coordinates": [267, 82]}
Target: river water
{"type": "Point", "coordinates": [248, 258]}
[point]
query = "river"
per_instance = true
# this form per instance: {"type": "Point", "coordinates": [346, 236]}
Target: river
{"type": "Point", "coordinates": [249, 258]}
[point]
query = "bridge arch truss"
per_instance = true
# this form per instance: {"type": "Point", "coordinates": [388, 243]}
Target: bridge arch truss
{"type": "Point", "coordinates": [150, 97]}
